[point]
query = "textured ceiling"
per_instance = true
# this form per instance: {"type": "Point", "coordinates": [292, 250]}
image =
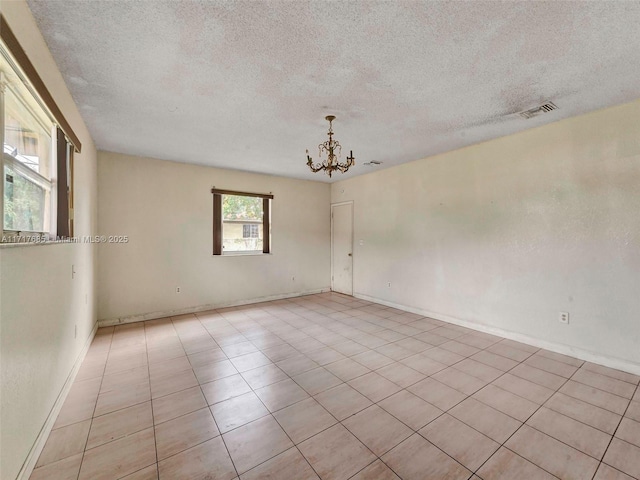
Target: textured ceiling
{"type": "Point", "coordinates": [247, 84]}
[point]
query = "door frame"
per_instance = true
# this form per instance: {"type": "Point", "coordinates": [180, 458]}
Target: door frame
{"type": "Point", "coordinates": [340, 204]}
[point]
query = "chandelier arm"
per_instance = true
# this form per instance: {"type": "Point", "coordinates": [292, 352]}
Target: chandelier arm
{"type": "Point", "coordinates": [314, 167]}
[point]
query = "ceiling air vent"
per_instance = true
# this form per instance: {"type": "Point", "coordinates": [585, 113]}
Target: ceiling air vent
{"type": "Point", "coordinates": [534, 112]}
{"type": "Point", "coordinates": [372, 163]}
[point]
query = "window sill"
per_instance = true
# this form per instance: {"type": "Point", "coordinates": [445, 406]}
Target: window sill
{"type": "Point", "coordinates": [243, 254]}
{"type": "Point", "coordinates": [30, 244]}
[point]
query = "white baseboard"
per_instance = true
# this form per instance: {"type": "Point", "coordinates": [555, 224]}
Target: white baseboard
{"type": "Point", "coordinates": [30, 462]}
{"type": "Point", "coordinates": [582, 354]}
{"type": "Point", "coordinates": [108, 322]}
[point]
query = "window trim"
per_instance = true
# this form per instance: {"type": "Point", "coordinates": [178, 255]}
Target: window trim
{"type": "Point", "coordinates": [218, 220]}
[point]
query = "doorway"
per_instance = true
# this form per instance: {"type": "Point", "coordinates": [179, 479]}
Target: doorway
{"type": "Point", "coordinates": [342, 248]}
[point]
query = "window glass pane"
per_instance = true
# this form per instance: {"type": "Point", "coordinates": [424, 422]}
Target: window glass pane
{"type": "Point", "coordinates": [24, 202]}
{"type": "Point", "coordinates": [241, 223]}
{"type": "Point", "coordinates": [27, 136]}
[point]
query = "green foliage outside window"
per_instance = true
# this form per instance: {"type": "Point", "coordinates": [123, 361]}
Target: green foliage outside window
{"type": "Point", "coordinates": [235, 207]}
{"type": "Point", "coordinates": [24, 203]}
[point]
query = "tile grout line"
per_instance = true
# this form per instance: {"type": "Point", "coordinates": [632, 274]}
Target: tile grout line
{"type": "Point", "coordinates": [525, 423]}
{"type": "Point", "coordinates": [183, 415]}
{"type": "Point", "coordinates": [136, 404]}
{"type": "Point", "coordinates": [466, 397]}
{"type": "Point", "coordinates": [276, 420]}
{"type": "Point", "coordinates": [449, 409]}
{"type": "Point", "coordinates": [269, 414]}
{"type": "Point", "coordinates": [295, 445]}
{"type": "Point", "coordinates": [233, 464]}
{"type": "Point", "coordinates": [312, 397]}
{"type": "Point", "coordinates": [469, 396]}
{"type": "Point", "coordinates": [153, 418]}
{"type": "Point", "coordinates": [376, 403]}
{"type": "Point", "coordinates": [96, 404]}
{"type": "Point", "coordinates": [622, 417]}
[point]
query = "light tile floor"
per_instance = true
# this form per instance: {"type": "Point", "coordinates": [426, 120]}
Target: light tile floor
{"type": "Point", "coordinates": [327, 386]}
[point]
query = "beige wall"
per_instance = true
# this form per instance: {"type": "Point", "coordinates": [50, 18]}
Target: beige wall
{"type": "Point", "coordinates": [40, 305]}
{"type": "Point", "coordinates": [165, 208]}
{"type": "Point", "coordinates": [508, 233]}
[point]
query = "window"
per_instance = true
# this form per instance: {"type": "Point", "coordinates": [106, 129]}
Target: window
{"type": "Point", "coordinates": [251, 230]}
{"type": "Point", "coordinates": [36, 197]}
{"type": "Point", "coordinates": [241, 222]}
{"type": "Point", "coordinates": [27, 158]}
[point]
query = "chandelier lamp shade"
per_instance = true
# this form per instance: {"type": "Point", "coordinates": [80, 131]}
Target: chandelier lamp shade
{"type": "Point", "coordinates": [329, 154]}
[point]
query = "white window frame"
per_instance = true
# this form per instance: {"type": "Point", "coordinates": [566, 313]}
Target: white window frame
{"type": "Point", "coordinates": [49, 184]}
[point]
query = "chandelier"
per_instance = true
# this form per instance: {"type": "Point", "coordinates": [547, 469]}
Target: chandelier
{"type": "Point", "coordinates": [329, 153]}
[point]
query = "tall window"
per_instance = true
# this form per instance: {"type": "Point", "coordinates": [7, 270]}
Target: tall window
{"type": "Point", "coordinates": [37, 159]}
{"type": "Point", "coordinates": [241, 222]}
{"type": "Point", "coordinates": [27, 157]}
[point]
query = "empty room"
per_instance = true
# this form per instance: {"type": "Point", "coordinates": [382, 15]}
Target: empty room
{"type": "Point", "coordinates": [313, 239]}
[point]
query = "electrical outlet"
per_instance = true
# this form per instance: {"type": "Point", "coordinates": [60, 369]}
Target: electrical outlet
{"type": "Point", "coordinates": [177, 289]}
{"type": "Point", "coordinates": [563, 317]}
{"type": "Point", "coordinates": [293, 279]}
{"type": "Point", "coordinates": [389, 284]}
